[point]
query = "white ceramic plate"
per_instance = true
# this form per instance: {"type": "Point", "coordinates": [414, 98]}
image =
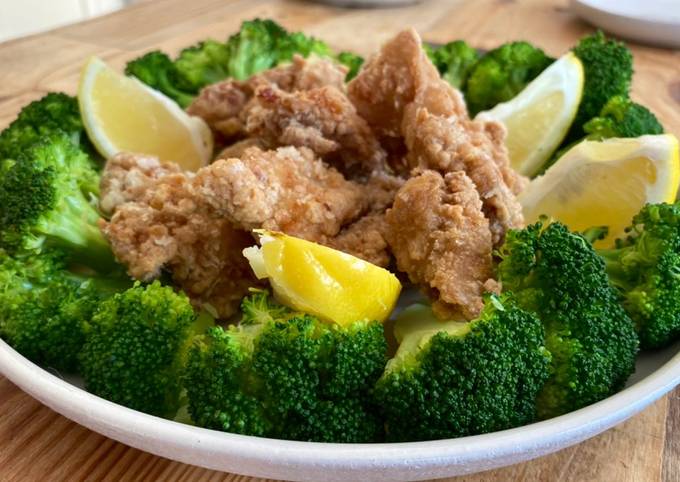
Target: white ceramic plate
{"type": "Point", "coordinates": [655, 22]}
{"type": "Point", "coordinates": [656, 374]}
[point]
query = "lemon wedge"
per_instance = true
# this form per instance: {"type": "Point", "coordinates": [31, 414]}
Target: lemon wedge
{"type": "Point", "coordinates": [321, 281]}
{"type": "Point", "coordinates": [538, 118]}
{"type": "Point", "coordinates": [605, 183]}
{"type": "Point", "coordinates": [122, 114]}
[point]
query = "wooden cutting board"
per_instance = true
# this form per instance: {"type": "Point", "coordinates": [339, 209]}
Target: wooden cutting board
{"type": "Point", "coordinates": [38, 444]}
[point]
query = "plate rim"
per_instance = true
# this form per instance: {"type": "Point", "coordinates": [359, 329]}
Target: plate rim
{"type": "Point", "coordinates": [264, 457]}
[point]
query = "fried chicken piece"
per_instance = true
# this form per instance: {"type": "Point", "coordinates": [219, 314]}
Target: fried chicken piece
{"type": "Point", "coordinates": [170, 227]}
{"type": "Point", "coordinates": [441, 239]}
{"type": "Point", "coordinates": [288, 190]}
{"type": "Point", "coordinates": [221, 104]}
{"type": "Point", "coordinates": [365, 238]}
{"type": "Point", "coordinates": [322, 119]}
{"type": "Point", "coordinates": [400, 93]}
{"type": "Point", "coordinates": [127, 176]}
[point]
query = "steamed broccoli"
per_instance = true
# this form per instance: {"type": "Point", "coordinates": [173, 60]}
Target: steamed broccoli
{"type": "Point", "coordinates": [454, 61]}
{"type": "Point", "coordinates": [43, 307]}
{"type": "Point", "coordinates": [136, 345]}
{"type": "Point", "coordinates": [645, 267]}
{"type": "Point", "coordinates": [47, 198]}
{"type": "Point", "coordinates": [203, 64]}
{"type": "Point", "coordinates": [352, 61]}
{"type": "Point", "coordinates": [608, 69]}
{"type": "Point", "coordinates": [452, 379]}
{"type": "Point", "coordinates": [502, 73]}
{"type": "Point", "coordinates": [53, 112]}
{"type": "Point", "coordinates": [557, 275]}
{"type": "Point", "coordinates": [156, 70]}
{"type": "Point", "coordinates": [288, 375]}
{"type": "Point", "coordinates": [258, 45]}
{"type": "Point", "coordinates": [621, 117]}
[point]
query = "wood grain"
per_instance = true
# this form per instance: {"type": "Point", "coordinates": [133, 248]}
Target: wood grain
{"type": "Point", "coordinates": [38, 444]}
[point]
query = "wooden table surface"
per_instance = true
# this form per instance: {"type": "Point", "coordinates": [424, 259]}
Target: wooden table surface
{"type": "Point", "coordinates": [38, 444]}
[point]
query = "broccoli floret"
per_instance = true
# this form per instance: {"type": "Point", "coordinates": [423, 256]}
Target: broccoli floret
{"type": "Point", "coordinates": [287, 375]}
{"type": "Point", "coordinates": [645, 267]}
{"type": "Point", "coordinates": [454, 61]}
{"type": "Point", "coordinates": [44, 307]}
{"type": "Point", "coordinates": [621, 117]}
{"type": "Point", "coordinates": [352, 61]}
{"type": "Point", "coordinates": [136, 346]}
{"type": "Point", "coordinates": [203, 64]}
{"type": "Point", "coordinates": [502, 73]}
{"type": "Point", "coordinates": [48, 195]}
{"type": "Point", "coordinates": [608, 69]}
{"type": "Point", "coordinates": [301, 44]}
{"type": "Point", "coordinates": [156, 70]}
{"type": "Point", "coordinates": [254, 48]}
{"type": "Point", "coordinates": [557, 275]}
{"type": "Point", "coordinates": [452, 379]}
{"type": "Point", "coordinates": [54, 112]}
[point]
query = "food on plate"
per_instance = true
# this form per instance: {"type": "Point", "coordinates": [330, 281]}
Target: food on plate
{"type": "Point", "coordinates": [326, 283]}
{"type": "Point", "coordinates": [136, 265]}
{"type": "Point", "coordinates": [502, 73]}
{"type": "Point", "coordinates": [538, 118]}
{"type": "Point", "coordinates": [441, 239]}
{"type": "Point", "coordinates": [557, 275]}
{"type": "Point", "coordinates": [136, 347]}
{"type": "Point", "coordinates": [454, 61]}
{"type": "Point", "coordinates": [643, 266]}
{"type": "Point", "coordinates": [401, 95]}
{"type": "Point", "coordinates": [637, 171]}
{"type": "Point", "coordinates": [105, 95]}
{"type": "Point", "coordinates": [453, 378]}
{"type": "Point", "coordinates": [285, 374]}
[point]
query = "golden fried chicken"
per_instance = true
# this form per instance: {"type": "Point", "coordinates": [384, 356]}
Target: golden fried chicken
{"type": "Point", "coordinates": [170, 227]}
{"type": "Point", "coordinates": [441, 239]}
{"type": "Point", "coordinates": [127, 177]}
{"type": "Point", "coordinates": [322, 119]}
{"type": "Point", "coordinates": [401, 95]}
{"type": "Point", "coordinates": [288, 190]}
{"type": "Point", "coordinates": [365, 238]}
{"type": "Point", "coordinates": [221, 104]}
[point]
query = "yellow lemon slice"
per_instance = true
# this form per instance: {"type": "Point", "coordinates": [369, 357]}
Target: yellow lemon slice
{"type": "Point", "coordinates": [122, 114]}
{"type": "Point", "coordinates": [322, 281]}
{"type": "Point", "coordinates": [539, 117]}
{"type": "Point", "coordinates": [605, 183]}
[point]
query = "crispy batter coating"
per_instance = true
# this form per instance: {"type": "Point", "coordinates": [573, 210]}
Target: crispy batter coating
{"type": "Point", "coordinates": [365, 238]}
{"type": "Point", "coordinates": [288, 190]}
{"type": "Point", "coordinates": [322, 119]}
{"type": "Point", "coordinates": [127, 176]}
{"type": "Point", "coordinates": [170, 227]}
{"type": "Point", "coordinates": [400, 93]}
{"type": "Point", "coordinates": [441, 239]}
{"type": "Point", "coordinates": [221, 104]}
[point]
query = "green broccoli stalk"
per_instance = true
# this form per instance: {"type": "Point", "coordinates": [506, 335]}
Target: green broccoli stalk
{"type": "Point", "coordinates": [557, 275]}
{"type": "Point", "coordinates": [502, 73]}
{"type": "Point", "coordinates": [454, 61]}
{"type": "Point", "coordinates": [645, 267]}
{"type": "Point", "coordinates": [608, 69]}
{"type": "Point", "coordinates": [53, 112]}
{"type": "Point", "coordinates": [157, 71]}
{"type": "Point", "coordinates": [48, 196]}
{"type": "Point", "coordinates": [452, 379]}
{"type": "Point", "coordinates": [136, 345]}
{"type": "Point", "coordinates": [287, 375]}
{"type": "Point", "coordinates": [45, 307]}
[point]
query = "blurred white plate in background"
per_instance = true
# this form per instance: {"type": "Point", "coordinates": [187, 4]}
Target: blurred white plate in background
{"type": "Point", "coordinates": [655, 22]}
